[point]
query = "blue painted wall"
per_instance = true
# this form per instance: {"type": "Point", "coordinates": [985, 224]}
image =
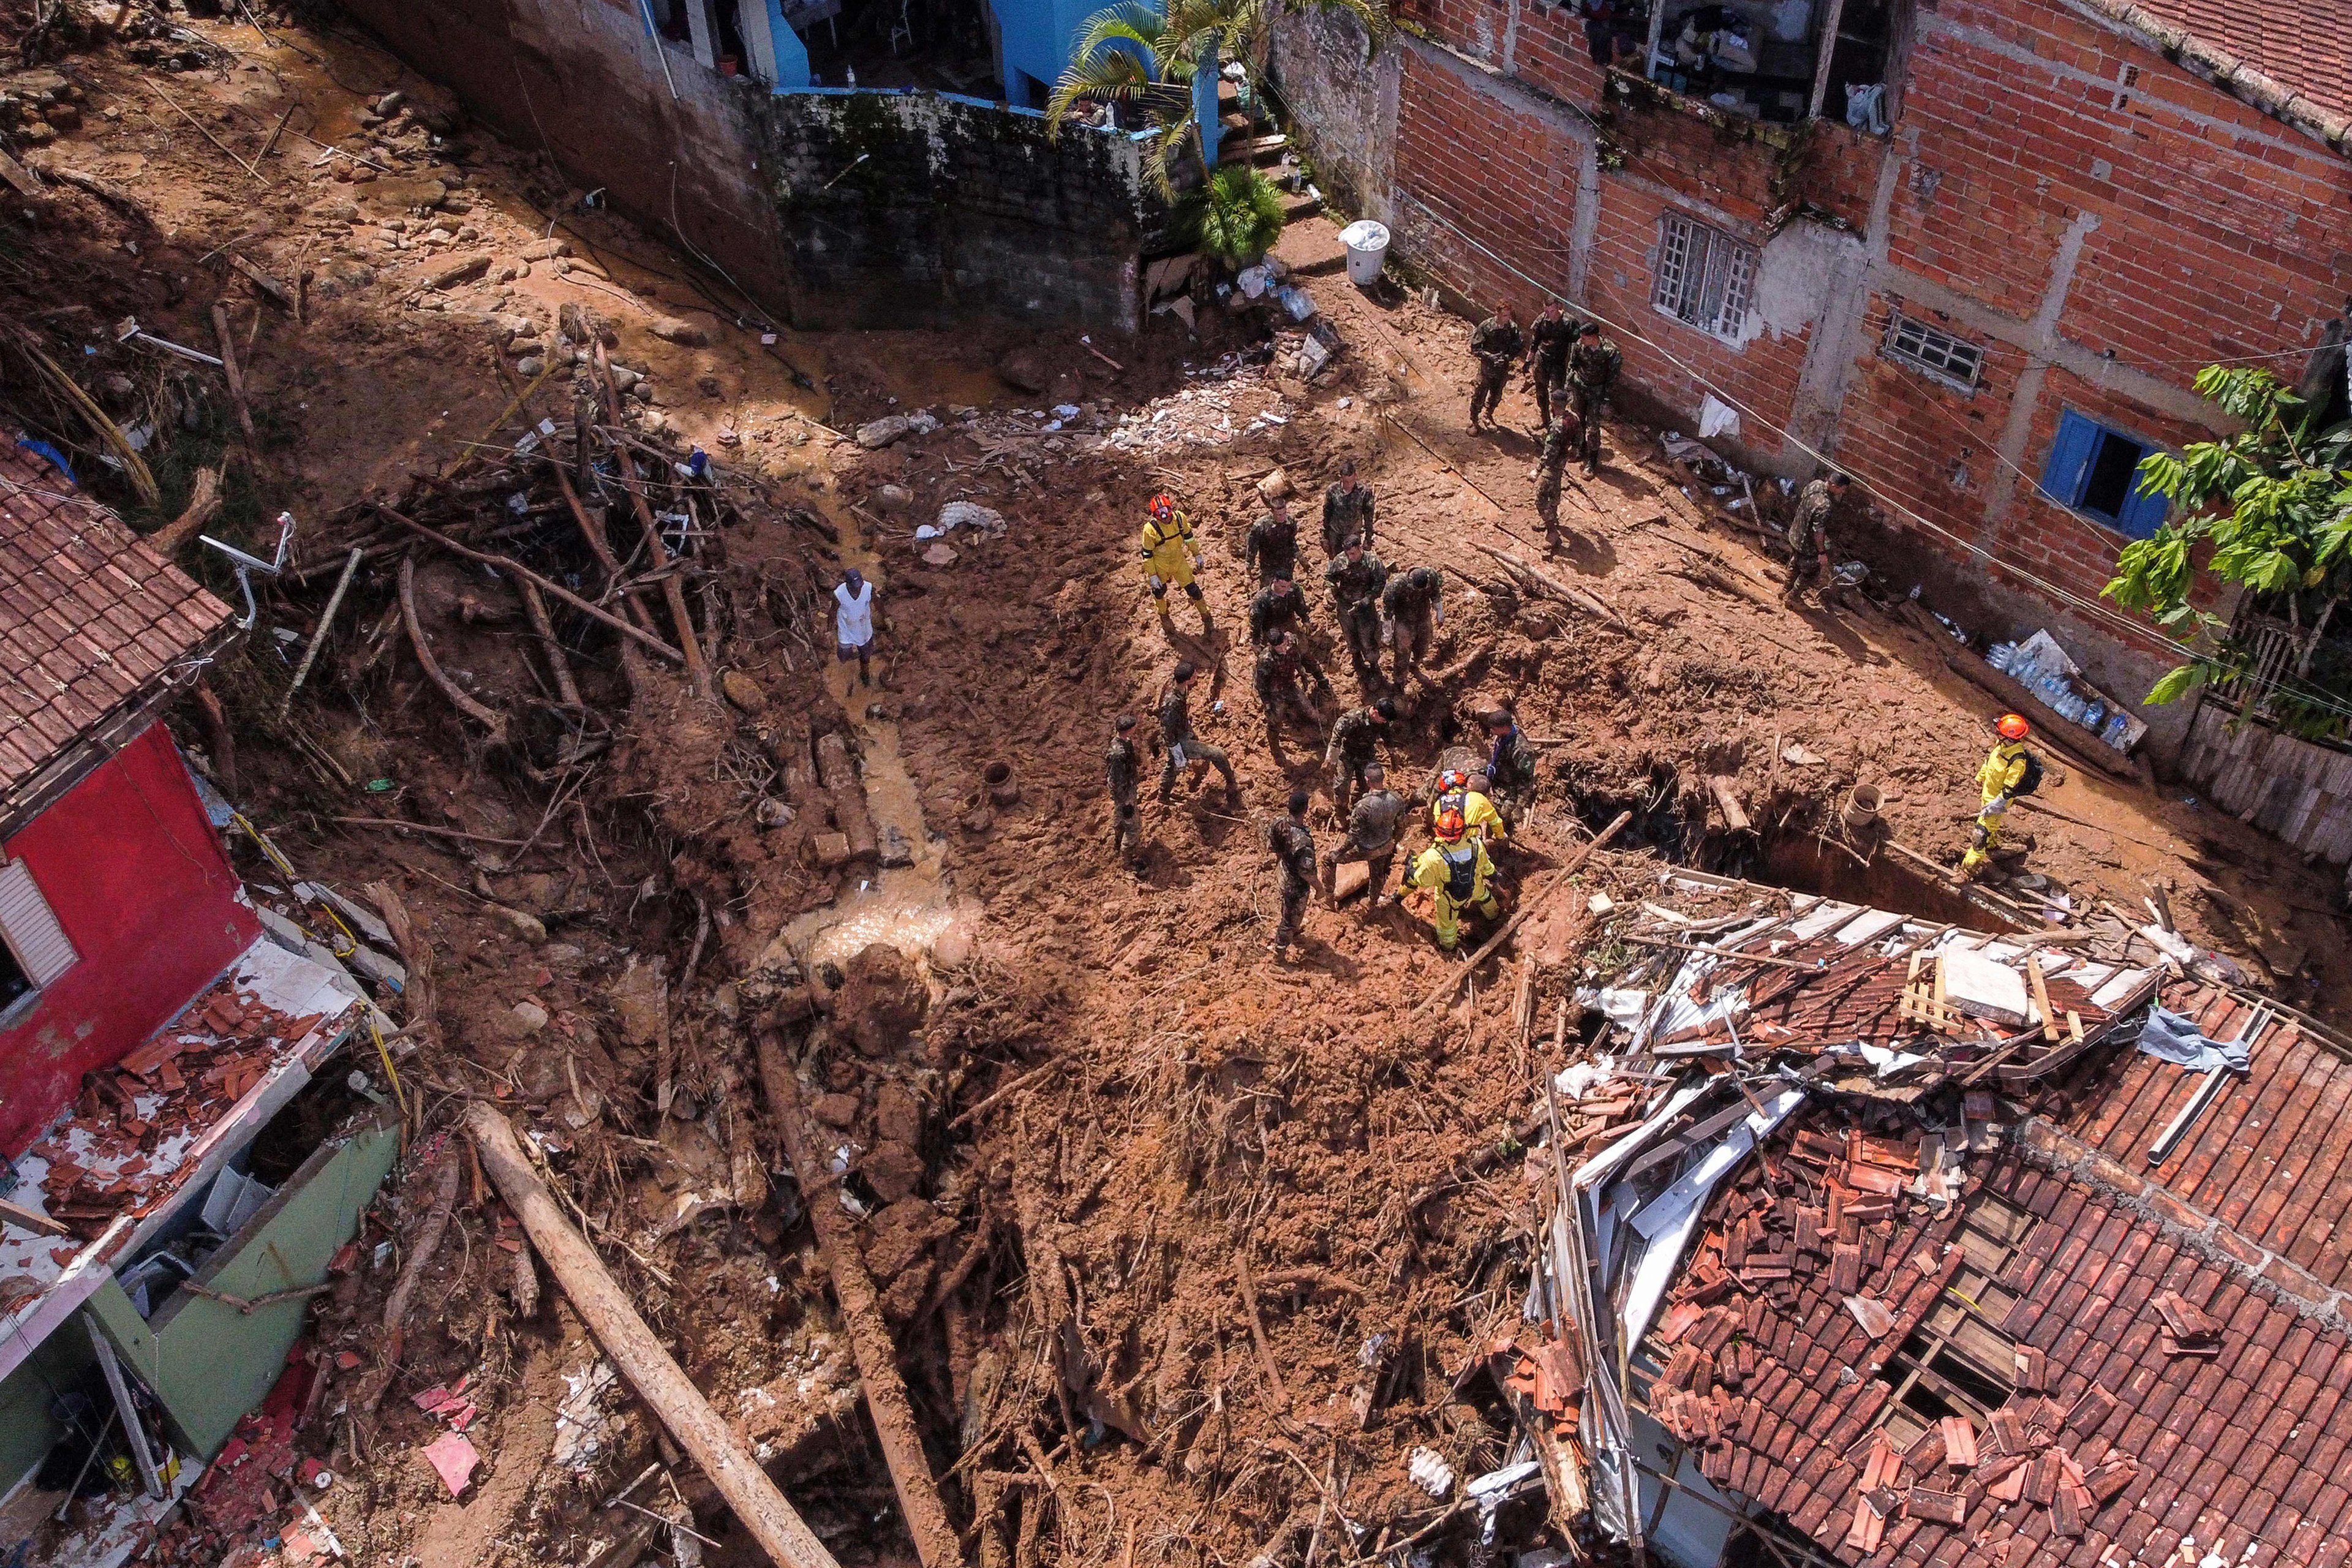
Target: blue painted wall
{"type": "Point", "coordinates": [1038, 36]}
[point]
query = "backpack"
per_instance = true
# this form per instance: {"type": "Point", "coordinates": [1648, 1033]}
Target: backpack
{"type": "Point", "coordinates": [2032, 778]}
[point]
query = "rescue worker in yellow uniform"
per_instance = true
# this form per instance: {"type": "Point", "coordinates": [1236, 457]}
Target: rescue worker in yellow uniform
{"type": "Point", "coordinates": [1458, 876]}
{"type": "Point", "coordinates": [2003, 777]}
{"type": "Point", "coordinates": [1171, 556]}
{"type": "Point", "coordinates": [1465, 794]}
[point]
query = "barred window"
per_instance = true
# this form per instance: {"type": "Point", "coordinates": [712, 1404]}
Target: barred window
{"type": "Point", "coordinates": [1704, 277]}
{"type": "Point", "coordinates": [1939, 354]}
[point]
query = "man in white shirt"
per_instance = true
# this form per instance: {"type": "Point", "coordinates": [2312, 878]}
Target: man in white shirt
{"type": "Point", "coordinates": [853, 623]}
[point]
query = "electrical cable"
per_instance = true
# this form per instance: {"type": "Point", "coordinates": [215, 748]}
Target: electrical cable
{"type": "Point", "coordinates": [2096, 610]}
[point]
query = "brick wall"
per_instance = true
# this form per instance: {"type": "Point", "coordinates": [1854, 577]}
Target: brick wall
{"type": "Point", "coordinates": [1475, 168]}
{"type": "Point", "coordinates": [2098, 220]}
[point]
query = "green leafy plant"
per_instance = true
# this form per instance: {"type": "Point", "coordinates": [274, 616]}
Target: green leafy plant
{"type": "Point", "coordinates": [2270, 509]}
{"type": "Point", "coordinates": [1236, 216]}
{"type": "Point", "coordinates": [1134, 53]}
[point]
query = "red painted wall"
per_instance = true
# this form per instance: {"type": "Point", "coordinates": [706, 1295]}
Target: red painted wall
{"type": "Point", "coordinates": [136, 876]}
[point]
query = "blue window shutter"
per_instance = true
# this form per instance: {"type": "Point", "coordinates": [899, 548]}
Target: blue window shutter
{"type": "Point", "coordinates": [2144, 511]}
{"type": "Point", "coordinates": [2070, 459]}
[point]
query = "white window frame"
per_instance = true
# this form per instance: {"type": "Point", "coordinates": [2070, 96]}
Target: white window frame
{"type": "Point", "coordinates": [1933, 353]}
{"type": "Point", "coordinates": [1703, 277]}
{"type": "Point", "coordinates": [35, 939]}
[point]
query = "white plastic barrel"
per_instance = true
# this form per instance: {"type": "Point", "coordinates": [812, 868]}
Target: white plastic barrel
{"type": "Point", "coordinates": [1368, 247]}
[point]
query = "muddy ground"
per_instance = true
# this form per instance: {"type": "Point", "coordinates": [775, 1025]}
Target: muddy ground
{"type": "Point", "coordinates": [1182, 1248]}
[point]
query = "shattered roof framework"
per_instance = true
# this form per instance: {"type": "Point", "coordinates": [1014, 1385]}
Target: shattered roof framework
{"type": "Point", "coordinates": [264, 1027]}
{"type": "Point", "coordinates": [92, 624]}
{"type": "Point", "coordinates": [2172, 1341]}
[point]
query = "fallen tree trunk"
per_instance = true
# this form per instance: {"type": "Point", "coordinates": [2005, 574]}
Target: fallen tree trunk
{"type": "Point", "coordinates": [861, 1312]}
{"type": "Point", "coordinates": [771, 1520]}
{"type": "Point", "coordinates": [523, 573]}
{"type": "Point", "coordinates": [840, 782]}
{"type": "Point", "coordinates": [426, 1242]}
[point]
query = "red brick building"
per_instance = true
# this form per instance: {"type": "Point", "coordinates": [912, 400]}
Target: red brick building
{"type": "Point", "coordinates": [1987, 295]}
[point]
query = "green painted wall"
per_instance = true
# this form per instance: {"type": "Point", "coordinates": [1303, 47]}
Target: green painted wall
{"type": "Point", "coordinates": [206, 1361]}
{"type": "Point", "coordinates": [27, 1430]}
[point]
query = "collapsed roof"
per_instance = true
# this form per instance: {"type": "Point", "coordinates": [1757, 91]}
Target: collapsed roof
{"type": "Point", "coordinates": [1847, 1291]}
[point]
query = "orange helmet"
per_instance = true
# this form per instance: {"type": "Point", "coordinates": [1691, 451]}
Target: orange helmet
{"type": "Point", "coordinates": [1450, 826]}
{"type": "Point", "coordinates": [1163, 506]}
{"type": "Point", "coordinates": [2013, 727]}
{"type": "Point", "coordinates": [1452, 781]}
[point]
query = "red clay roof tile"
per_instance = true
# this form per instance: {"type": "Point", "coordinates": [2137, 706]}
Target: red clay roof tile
{"type": "Point", "coordinates": [89, 614]}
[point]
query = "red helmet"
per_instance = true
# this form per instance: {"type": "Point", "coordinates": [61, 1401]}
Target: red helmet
{"type": "Point", "coordinates": [2013, 727]}
{"type": "Point", "coordinates": [1450, 826]}
{"type": "Point", "coordinates": [1163, 506]}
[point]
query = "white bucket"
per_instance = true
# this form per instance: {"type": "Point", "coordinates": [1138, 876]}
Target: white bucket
{"type": "Point", "coordinates": [1368, 247]}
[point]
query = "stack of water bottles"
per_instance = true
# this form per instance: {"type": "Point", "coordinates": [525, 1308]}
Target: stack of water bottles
{"type": "Point", "coordinates": [2054, 684]}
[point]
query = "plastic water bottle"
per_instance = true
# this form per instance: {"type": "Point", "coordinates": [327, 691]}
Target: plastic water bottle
{"type": "Point", "coordinates": [2095, 715]}
{"type": "Point", "coordinates": [2000, 656]}
{"type": "Point", "coordinates": [2117, 727]}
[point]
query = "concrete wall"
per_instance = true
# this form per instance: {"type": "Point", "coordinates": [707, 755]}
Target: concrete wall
{"type": "Point", "coordinates": [959, 208]}
{"type": "Point", "coordinates": [27, 1430]}
{"type": "Point", "coordinates": [585, 78]}
{"type": "Point", "coordinates": [2098, 220]}
{"type": "Point", "coordinates": [209, 1363]}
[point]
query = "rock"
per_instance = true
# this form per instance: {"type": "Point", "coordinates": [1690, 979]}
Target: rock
{"type": "Point", "coordinates": [542, 249]}
{"type": "Point", "coordinates": [407, 195]}
{"type": "Point", "coordinates": [880, 433]}
{"type": "Point", "coordinates": [530, 366]}
{"type": "Point", "coordinates": [389, 104]}
{"type": "Point", "coordinates": [882, 1000]}
{"type": "Point", "coordinates": [1275, 486]}
{"type": "Point", "coordinates": [641, 999]}
{"type": "Point", "coordinates": [894, 497]}
{"type": "Point", "coordinates": [521, 1021]}
{"type": "Point", "coordinates": [624, 378]}
{"type": "Point", "coordinates": [897, 1115]}
{"type": "Point", "coordinates": [642, 390]}
{"type": "Point", "coordinates": [1025, 369]}
{"type": "Point", "coordinates": [893, 1170]}
{"type": "Point", "coordinates": [339, 212]}
{"type": "Point", "coordinates": [893, 850]}
{"type": "Point", "coordinates": [831, 850]}
{"type": "Point", "coordinates": [670, 330]}
{"type": "Point", "coordinates": [773, 813]}
{"type": "Point", "coordinates": [459, 272]}
{"type": "Point", "coordinates": [526, 926]}
{"type": "Point", "coordinates": [834, 1109]}
{"type": "Point", "coordinates": [743, 691]}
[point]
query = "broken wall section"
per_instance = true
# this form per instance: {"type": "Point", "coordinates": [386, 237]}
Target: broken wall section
{"type": "Point", "coordinates": [907, 209]}
{"type": "Point", "coordinates": [674, 149]}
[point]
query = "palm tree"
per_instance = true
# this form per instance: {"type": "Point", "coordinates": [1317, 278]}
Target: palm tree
{"type": "Point", "coordinates": [1168, 63]}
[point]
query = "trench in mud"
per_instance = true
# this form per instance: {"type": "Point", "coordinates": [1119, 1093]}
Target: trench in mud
{"type": "Point", "coordinates": [911, 907]}
{"type": "Point", "coordinates": [1857, 870]}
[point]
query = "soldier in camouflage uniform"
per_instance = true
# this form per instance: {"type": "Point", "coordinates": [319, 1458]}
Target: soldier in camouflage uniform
{"type": "Point", "coordinates": [1497, 346]}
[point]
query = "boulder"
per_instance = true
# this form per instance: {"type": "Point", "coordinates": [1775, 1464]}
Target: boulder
{"type": "Point", "coordinates": [882, 1000]}
{"type": "Point", "coordinates": [670, 330]}
{"type": "Point", "coordinates": [877, 434]}
{"type": "Point", "coordinates": [542, 249]}
{"type": "Point", "coordinates": [743, 691]}
{"type": "Point", "coordinates": [1025, 369]}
